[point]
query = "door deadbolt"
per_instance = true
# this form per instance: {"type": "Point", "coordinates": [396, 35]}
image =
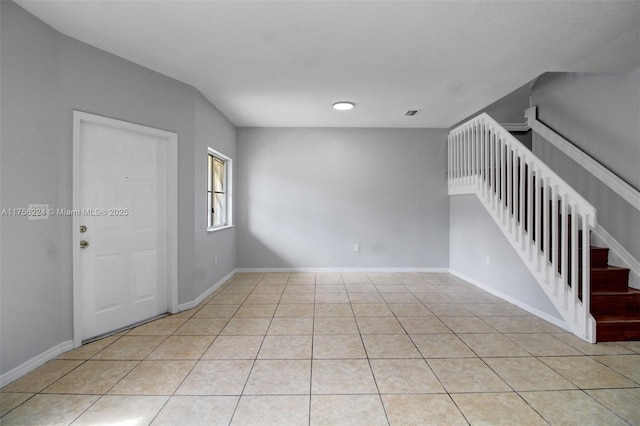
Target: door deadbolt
{"type": "Point", "coordinates": [84, 244]}
{"type": "Point", "coordinates": [83, 229]}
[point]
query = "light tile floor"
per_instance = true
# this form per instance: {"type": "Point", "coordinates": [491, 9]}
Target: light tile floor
{"type": "Point", "coordinates": [336, 349]}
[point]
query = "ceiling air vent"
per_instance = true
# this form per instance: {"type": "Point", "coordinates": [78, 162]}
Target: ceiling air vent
{"type": "Point", "coordinates": [411, 113]}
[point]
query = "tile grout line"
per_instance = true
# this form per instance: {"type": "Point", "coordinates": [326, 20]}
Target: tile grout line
{"type": "Point", "coordinates": [584, 391]}
{"type": "Point", "coordinates": [375, 380]}
{"type": "Point", "coordinates": [313, 338]}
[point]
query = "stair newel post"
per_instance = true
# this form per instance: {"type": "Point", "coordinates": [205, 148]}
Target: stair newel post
{"type": "Point", "coordinates": [590, 331]}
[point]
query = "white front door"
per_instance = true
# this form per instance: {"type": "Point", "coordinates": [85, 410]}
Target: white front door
{"type": "Point", "coordinates": [121, 215]}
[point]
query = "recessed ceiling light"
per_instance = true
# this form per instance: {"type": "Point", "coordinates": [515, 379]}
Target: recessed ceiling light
{"type": "Point", "coordinates": [343, 106]}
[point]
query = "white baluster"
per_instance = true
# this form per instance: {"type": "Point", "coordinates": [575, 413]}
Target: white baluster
{"type": "Point", "coordinates": [501, 181]}
{"type": "Point", "coordinates": [554, 238]}
{"type": "Point", "coordinates": [492, 141]}
{"type": "Point", "coordinates": [521, 198]}
{"type": "Point", "coordinates": [575, 254]}
{"type": "Point", "coordinates": [564, 246]}
{"type": "Point", "coordinates": [530, 210]}
{"type": "Point", "coordinates": [509, 197]}
{"type": "Point", "coordinates": [483, 160]}
{"type": "Point", "coordinates": [456, 146]}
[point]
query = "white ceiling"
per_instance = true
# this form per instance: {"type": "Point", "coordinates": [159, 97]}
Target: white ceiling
{"type": "Point", "coordinates": [283, 63]}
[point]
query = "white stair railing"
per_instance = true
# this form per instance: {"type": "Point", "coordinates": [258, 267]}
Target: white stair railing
{"type": "Point", "coordinates": [544, 219]}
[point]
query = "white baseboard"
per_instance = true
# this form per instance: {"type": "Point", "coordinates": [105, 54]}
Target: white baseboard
{"type": "Point", "coordinates": [345, 270]}
{"type": "Point", "coordinates": [35, 362]}
{"type": "Point", "coordinates": [52, 353]}
{"type": "Point", "coordinates": [200, 299]}
{"type": "Point", "coordinates": [618, 255]}
{"type": "Point", "coordinates": [537, 312]}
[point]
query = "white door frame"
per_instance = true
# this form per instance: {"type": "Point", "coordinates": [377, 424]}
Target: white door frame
{"type": "Point", "coordinates": [79, 118]}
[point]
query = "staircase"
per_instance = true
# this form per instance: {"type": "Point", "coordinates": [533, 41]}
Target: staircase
{"type": "Point", "coordinates": [614, 305]}
{"type": "Point", "coordinates": [549, 225]}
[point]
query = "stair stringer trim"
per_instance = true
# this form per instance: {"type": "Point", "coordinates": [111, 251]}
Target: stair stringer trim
{"type": "Point", "coordinates": [586, 332]}
{"type": "Point", "coordinates": [618, 255]}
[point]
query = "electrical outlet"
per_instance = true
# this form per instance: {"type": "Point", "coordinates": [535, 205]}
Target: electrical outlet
{"type": "Point", "coordinates": [356, 248]}
{"type": "Point", "coordinates": [487, 261]}
{"type": "Point", "coordinates": [215, 259]}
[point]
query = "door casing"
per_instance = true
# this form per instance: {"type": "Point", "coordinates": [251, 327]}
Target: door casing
{"type": "Point", "coordinates": [80, 118]}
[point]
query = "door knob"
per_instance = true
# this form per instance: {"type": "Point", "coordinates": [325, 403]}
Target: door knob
{"type": "Point", "coordinates": [84, 244]}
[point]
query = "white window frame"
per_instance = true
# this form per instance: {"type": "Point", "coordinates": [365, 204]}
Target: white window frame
{"type": "Point", "coordinates": [228, 180]}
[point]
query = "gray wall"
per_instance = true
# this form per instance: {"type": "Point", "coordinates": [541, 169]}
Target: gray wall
{"type": "Point", "coordinates": [45, 76]}
{"type": "Point", "coordinates": [35, 305]}
{"type": "Point", "coordinates": [508, 109]}
{"type": "Point", "coordinates": [474, 236]}
{"type": "Point", "coordinates": [306, 196]}
{"type": "Point", "coordinates": [599, 113]}
{"type": "Point", "coordinates": [215, 131]}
